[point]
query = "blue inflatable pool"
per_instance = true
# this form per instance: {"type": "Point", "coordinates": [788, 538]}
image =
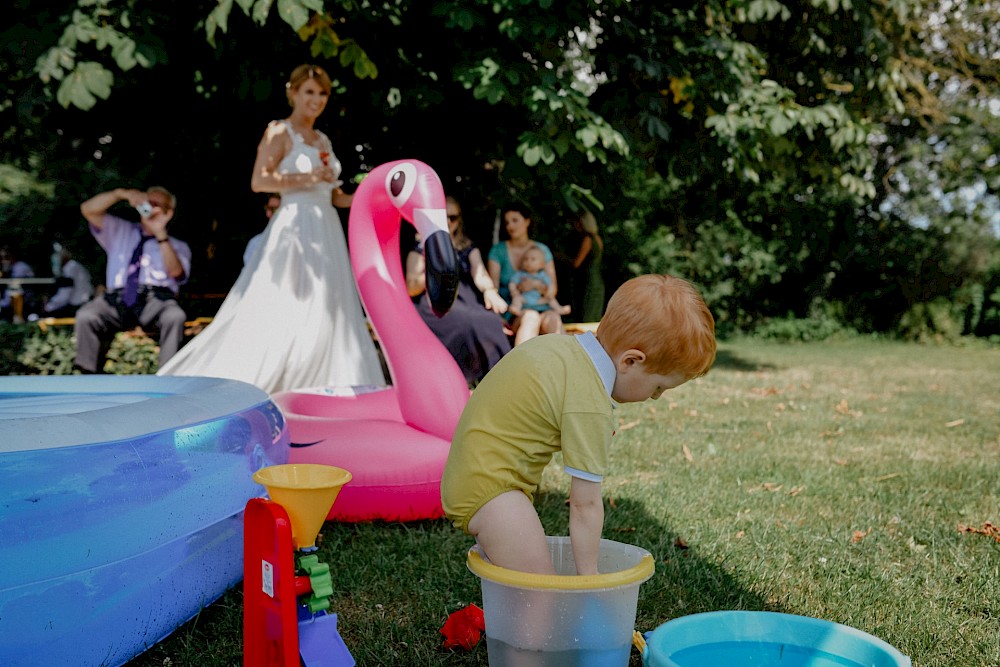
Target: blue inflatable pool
{"type": "Point", "coordinates": [121, 508]}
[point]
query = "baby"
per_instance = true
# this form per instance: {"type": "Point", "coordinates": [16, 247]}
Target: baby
{"type": "Point", "coordinates": [530, 285]}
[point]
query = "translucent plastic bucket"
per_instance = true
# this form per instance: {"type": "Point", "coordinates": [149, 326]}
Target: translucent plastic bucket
{"type": "Point", "coordinates": [563, 619]}
{"type": "Point", "coordinates": [765, 638]}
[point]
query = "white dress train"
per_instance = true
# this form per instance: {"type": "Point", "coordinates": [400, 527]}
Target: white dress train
{"type": "Point", "coordinates": [293, 319]}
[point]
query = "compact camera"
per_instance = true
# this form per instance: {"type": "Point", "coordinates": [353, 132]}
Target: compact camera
{"type": "Point", "coordinates": [145, 209]}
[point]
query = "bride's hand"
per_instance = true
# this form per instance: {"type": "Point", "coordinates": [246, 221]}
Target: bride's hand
{"type": "Point", "coordinates": [325, 174]}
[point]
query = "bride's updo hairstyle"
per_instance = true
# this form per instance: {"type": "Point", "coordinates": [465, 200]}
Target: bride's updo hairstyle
{"type": "Point", "coordinates": [303, 73]}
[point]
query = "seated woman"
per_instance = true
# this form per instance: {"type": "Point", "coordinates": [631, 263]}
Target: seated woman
{"type": "Point", "coordinates": [472, 332]}
{"type": "Point", "coordinates": [503, 261]}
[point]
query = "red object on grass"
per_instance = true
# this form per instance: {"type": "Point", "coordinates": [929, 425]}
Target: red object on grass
{"type": "Point", "coordinates": [464, 628]}
{"type": "Point", "coordinates": [270, 621]}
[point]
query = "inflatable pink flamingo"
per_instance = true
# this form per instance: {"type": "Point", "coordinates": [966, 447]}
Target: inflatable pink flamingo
{"type": "Point", "coordinates": [394, 441]}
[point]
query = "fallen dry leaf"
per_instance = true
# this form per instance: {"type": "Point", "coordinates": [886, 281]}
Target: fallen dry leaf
{"type": "Point", "coordinates": [740, 534]}
{"type": "Point", "coordinates": [625, 427]}
{"type": "Point", "coordinates": [680, 543]}
{"type": "Point", "coordinates": [687, 454]}
{"type": "Point", "coordinates": [843, 409]}
{"type": "Point", "coordinates": [796, 490]}
{"type": "Point", "coordinates": [859, 535]}
{"type": "Point", "coordinates": [988, 529]}
{"type": "Point", "coordinates": [953, 424]}
{"type": "Point", "coordinates": [772, 486]}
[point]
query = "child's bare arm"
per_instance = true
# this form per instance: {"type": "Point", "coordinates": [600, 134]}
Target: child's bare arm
{"type": "Point", "coordinates": [586, 521]}
{"type": "Point", "coordinates": [516, 299]}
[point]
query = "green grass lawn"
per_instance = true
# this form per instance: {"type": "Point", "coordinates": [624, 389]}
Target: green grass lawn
{"type": "Point", "coordinates": [831, 480]}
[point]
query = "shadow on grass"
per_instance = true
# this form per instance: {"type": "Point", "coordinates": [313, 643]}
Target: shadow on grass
{"type": "Point", "coordinates": [731, 361]}
{"type": "Point", "coordinates": [395, 584]}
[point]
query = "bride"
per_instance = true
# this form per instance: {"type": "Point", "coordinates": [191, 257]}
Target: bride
{"type": "Point", "coordinates": [293, 319]}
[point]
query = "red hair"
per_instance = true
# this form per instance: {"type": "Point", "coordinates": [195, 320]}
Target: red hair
{"type": "Point", "coordinates": [664, 317]}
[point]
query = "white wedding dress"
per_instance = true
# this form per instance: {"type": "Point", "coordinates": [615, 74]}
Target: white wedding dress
{"type": "Point", "coordinates": [293, 319]}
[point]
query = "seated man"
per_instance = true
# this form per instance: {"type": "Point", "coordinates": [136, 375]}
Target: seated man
{"type": "Point", "coordinates": [145, 269]}
{"type": "Point", "coordinates": [73, 287]}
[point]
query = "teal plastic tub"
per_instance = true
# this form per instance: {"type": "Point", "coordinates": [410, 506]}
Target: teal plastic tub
{"type": "Point", "coordinates": [764, 638]}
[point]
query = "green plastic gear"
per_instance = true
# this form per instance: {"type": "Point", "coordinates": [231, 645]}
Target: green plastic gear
{"type": "Point", "coordinates": [320, 580]}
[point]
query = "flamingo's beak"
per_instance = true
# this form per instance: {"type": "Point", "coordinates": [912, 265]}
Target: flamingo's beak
{"type": "Point", "coordinates": [441, 264]}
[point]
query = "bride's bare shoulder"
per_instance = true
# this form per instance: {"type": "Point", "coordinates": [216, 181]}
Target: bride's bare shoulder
{"type": "Point", "coordinates": [276, 128]}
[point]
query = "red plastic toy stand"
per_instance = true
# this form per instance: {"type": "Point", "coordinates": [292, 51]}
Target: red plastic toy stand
{"type": "Point", "coordinates": [270, 615]}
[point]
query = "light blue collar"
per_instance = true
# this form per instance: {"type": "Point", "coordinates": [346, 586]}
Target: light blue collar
{"type": "Point", "coordinates": [600, 358]}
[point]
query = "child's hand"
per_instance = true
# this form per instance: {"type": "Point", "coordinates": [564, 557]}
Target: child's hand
{"type": "Point", "coordinates": [493, 301]}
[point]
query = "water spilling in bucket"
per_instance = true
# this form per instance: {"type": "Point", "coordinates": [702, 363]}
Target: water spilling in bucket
{"type": "Point", "coordinates": [563, 619]}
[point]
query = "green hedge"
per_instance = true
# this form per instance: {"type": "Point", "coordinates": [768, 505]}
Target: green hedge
{"type": "Point", "coordinates": [25, 349]}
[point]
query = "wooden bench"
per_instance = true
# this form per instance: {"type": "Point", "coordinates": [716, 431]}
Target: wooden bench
{"type": "Point", "coordinates": [580, 327]}
{"type": "Point", "coordinates": [191, 327]}
{"type": "Point", "coordinates": [195, 326]}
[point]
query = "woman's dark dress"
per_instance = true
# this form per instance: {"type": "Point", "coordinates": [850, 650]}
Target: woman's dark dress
{"type": "Point", "coordinates": [588, 286]}
{"type": "Point", "coordinates": [472, 334]}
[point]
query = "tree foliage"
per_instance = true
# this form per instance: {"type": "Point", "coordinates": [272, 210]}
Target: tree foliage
{"type": "Point", "coordinates": [785, 156]}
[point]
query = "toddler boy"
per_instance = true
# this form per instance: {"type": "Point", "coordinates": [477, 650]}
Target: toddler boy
{"type": "Point", "coordinates": [554, 393]}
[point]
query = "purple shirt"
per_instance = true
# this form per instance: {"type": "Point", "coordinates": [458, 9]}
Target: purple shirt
{"type": "Point", "coordinates": [119, 237]}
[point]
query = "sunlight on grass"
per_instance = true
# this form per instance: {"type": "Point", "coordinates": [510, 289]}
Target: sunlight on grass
{"type": "Point", "coordinates": [827, 480]}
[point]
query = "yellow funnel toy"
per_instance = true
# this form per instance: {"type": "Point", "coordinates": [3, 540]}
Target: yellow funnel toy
{"type": "Point", "coordinates": [306, 491]}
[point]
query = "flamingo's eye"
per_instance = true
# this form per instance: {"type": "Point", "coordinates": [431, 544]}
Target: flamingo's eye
{"type": "Point", "coordinates": [397, 183]}
{"type": "Point", "coordinates": [400, 182]}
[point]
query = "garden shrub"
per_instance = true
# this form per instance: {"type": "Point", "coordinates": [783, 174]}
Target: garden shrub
{"type": "Point", "coordinates": [133, 353]}
{"type": "Point", "coordinates": [25, 349]}
{"type": "Point", "coordinates": [11, 341]}
{"type": "Point", "coordinates": [938, 321]}
{"type": "Point", "coordinates": [49, 352]}
{"type": "Point", "coordinates": [816, 327]}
